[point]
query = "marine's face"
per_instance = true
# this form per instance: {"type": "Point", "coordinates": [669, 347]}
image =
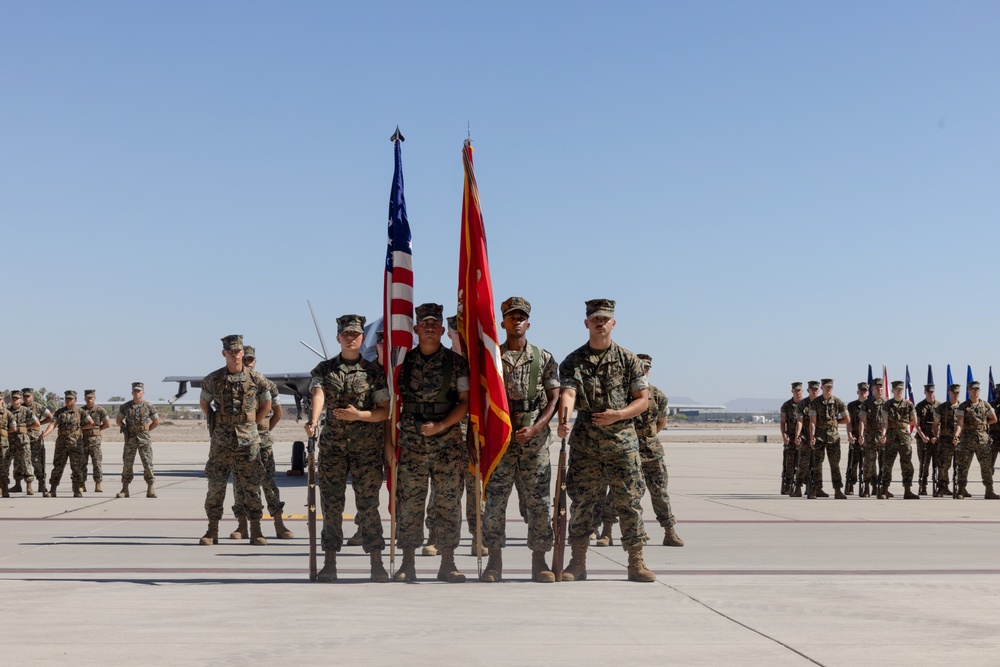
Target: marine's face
{"type": "Point", "coordinates": [29, 399]}
{"type": "Point", "coordinates": [862, 394]}
{"type": "Point", "coordinates": [813, 393]}
{"type": "Point", "coordinates": [897, 393]}
{"type": "Point", "coordinates": [350, 341]}
{"type": "Point", "coordinates": [429, 330]}
{"type": "Point", "coordinates": [929, 396]}
{"type": "Point", "coordinates": [70, 402]}
{"type": "Point", "coordinates": [15, 402]}
{"type": "Point", "coordinates": [137, 394]}
{"type": "Point", "coordinates": [600, 325]}
{"type": "Point", "coordinates": [974, 393]}
{"type": "Point", "coordinates": [828, 391]}
{"type": "Point", "coordinates": [516, 324]}
{"type": "Point", "coordinates": [236, 356]}
{"type": "Point", "coordinates": [89, 401]}
{"type": "Point", "coordinates": [953, 395]}
{"type": "Point", "coordinates": [797, 393]}
{"type": "Point", "coordinates": [877, 391]}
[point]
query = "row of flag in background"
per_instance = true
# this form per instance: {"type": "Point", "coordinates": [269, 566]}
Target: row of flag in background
{"type": "Point", "coordinates": [990, 397]}
{"type": "Point", "coordinates": [489, 421]}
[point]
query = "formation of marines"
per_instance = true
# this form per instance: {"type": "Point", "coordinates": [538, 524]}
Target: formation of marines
{"type": "Point", "coordinates": [947, 434]}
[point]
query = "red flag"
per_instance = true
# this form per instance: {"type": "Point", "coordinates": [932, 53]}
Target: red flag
{"type": "Point", "coordinates": [488, 415]}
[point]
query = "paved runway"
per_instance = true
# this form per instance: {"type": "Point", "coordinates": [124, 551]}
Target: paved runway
{"type": "Point", "coordinates": [763, 580]}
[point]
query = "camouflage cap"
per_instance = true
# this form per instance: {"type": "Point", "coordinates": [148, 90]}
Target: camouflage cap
{"type": "Point", "coordinates": [954, 387]}
{"type": "Point", "coordinates": [430, 311]}
{"type": "Point", "coordinates": [351, 324]}
{"type": "Point", "coordinates": [863, 386]}
{"type": "Point", "coordinates": [515, 303]}
{"type": "Point", "coordinates": [898, 384]}
{"type": "Point", "coordinates": [249, 352]}
{"type": "Point", "coordinates": [232, 342]}
{"type": "Point", "coordinates": [16, 394]}
{"type": "Point", "coordinates": [974, 384]}
{"type": "Point", "coordinates": [137, 385]}
{"type": "Point", "coordinates": [89, 392]}
{"type": "Point", "coordinates": [453, 322]}
{"type": "Point", "coordinates": [69, 393]}
{"type": "Point", "coordinates": [645, 357]}
{"type": "Point", "coordinates": [928, 387]}
{"type": "Point", "coordinates": [814, 384]}
{"type": "Point", "coordinates": [27, 390]}
{"type": "Point", "coordinates": [600, 308]}
{"type": "Point", "coordinates": [877, 382]}
{"type": "Point", "coordinates": [796, 385]}
{"type": "Point", "coordinates": [826, 382]}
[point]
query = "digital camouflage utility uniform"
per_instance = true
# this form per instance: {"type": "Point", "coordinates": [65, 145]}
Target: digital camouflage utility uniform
{"type": "Point", "coordinates": [20, 442]}
{"type": "Point", "coordinates": [827, 412]}
{"type": "Point", "coordinates": [873, 412]}
{"type": "Point", "coordinates": [925, 450]}
{"type": "Point", "coordinates": [8, 430]}
{"type": "Point", "coordinates": [269, 485]}
{"type": "Point", "coordinates": [790, 411]}
{"type": "Point", "coordinates": [354, 447]}
{"type": "Point", "coordinates": [235, 444]}
{"type": "Point", "coordinates": [36, 447]}
{"type": "Point", "coordinates": [69, 445]}
{"type": "Point", "coordinates": [604, 456]}
{"type": "Point", "coordinates": [92, 439]}
{"type": "Point", "coordinates": [805, 452]}
{"type": "Point", "coordinates": [430, 387]}
{"type": "Point", "coordinates": [898, 442]}
{"type": "Point", "coordinates": [944, 451]}
{"type": "Point", "coordinates": [654, 468]}
{"type": "Point", "coordinates": [995, 431]}
{"type": "Point", "coordinates": [527, 463]}
{"type": "Point", "coordinates": [974, 440]}
{"type": "Point", "coordinates": [136, 418]}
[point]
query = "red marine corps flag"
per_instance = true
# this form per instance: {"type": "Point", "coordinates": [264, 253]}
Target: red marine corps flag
{"type": "Point", "coordinates": [489, 419]}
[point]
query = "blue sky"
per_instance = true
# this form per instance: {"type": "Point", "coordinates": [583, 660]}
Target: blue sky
{"type": "Point", "coordinates": [771, 190]}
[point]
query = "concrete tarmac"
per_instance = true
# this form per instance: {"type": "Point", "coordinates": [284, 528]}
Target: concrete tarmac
{"type": "Point", "coordinates": [763, 580]}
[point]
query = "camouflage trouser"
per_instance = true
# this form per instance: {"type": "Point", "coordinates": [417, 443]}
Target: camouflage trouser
{"type": "Point", "coordinates": [925, 458]}
{"type": "Point", "coordinates": [827, 446]}
{"type": "Point", "coordinates": [944, 454]}
{"type": "Point", "coordinates": [470, 500]}
{"type": "Point", "coordinates": [442, 463]}
{"type": "Point", "coordinates": [654, 473]}
{"type": "Point", "coordinates": [226, 456]}
{"type": "Point", "coordinates": [357, 449]}
{"type": "Point", "coordinates": [92, 451]}
{"type": "Point", "coordinates": [71, 449]}
{"type": "Point", "coordinates": [788, 464]}
{"type": "Point", "coordinates": [995, 446]}
{"type": "Point", "coordinates": [144, 447]}
{"type": "Point", "coordinates": [975, 443]}
{"type": "Point", "coordinates": [870, 454]}
{"type": "Point", "coordinates": [269, 486]}
{"type": "Point", "coordinates": [36, 459]}
{"type": "Point", "coordinates": [597, 462]}
{"type": "Point", "coordinates": [529, 464]}
{"type": "Point", "coordinates": [19, 454]}
{"type": "Point", "coordinates": [897, 442]}
{"type": "Point", "coordinates": [855, 464]}
{"type": "Point", "coordinates": [806, 455]}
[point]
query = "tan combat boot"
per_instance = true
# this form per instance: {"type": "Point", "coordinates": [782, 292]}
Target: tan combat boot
{"type": "Point", "coordinates": [494, 567]}
{"type": "Point", "coordinates": [430, 549]}
{"type": "Point", "coordinates": [51, 493]}
{"type": "Point", "coordinates": [355, 540]}
{"type": "Point", "coordinates": [150, 493]}
{"type": "Point", "coordinates": [256, 535]}
{"type": "Point", "coordinates": [670, 538]}
{"type": "Point", "coordinates": [97, 488]}
{"type": "Point", "coordinates": [241, 529]}
{"type": "Point", "coordinates": [605, 539]}
{"type": "Point", "coordinates": [211, 535]}
{"type": "Point", "coordinates": [540, 571]}
{"type": "Point", "coordinates": [578, 563]}
{"type": "Point", "coordinates": [407, 570]}
{"type": "Point", "coordinates": [882, 493]}
{"type": "Point", "coordinates": [329, 572]}
{"type": "Point", "coordinates": [280, 530]}
{"type": "Point", "coordinates": [637, 570]}
{"type": "Point", "coordinates": [83, 488]}
{"type": "Point", "coordinates": [78, 494]}
{"type": "Point", "coordinates": [28, 491]}
{"type": "Point", "coordinates": [124, 492]}
{"type": "Point", "coordinates": [379, 575]}
{"type": "Point", "coordinates": [449, 571]}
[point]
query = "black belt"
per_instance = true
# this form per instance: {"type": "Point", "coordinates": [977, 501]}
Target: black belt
{"type": "Point", "coordinates": [427, 410]}
{"type": "Point", "coordinates": [523, 406]}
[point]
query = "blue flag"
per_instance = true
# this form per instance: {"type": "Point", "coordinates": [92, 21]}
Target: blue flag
{"type": "Point", "coordinates": [950, 381]}
{"type": "Point", "coordinates": [992, 396]}
{"type": "Point", "coordinates": [930, 375]}
{"type": "Point", "coordinates": [870, 378]}
{"type": "Point", "coordinates": [968, 380]}
{"type": "Point", "coordinates": [909, 387]}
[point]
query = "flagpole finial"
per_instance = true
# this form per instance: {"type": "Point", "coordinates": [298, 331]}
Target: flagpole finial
{"type": "Point", "coordinates": [397, 135]}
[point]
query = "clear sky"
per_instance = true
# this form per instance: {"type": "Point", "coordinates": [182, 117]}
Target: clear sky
{"type": "Point", "coordinates": [771, 190]}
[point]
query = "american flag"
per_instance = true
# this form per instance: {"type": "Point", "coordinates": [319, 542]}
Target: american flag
{"type": "Point", "coordinates": [397, 311]}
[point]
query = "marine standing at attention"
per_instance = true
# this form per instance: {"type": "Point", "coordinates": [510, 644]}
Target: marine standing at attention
{"type": "Point", "coordinates": [354, 393]}
{"type": "Point", "coordinates": [900, 416]}
{"type": "Point", "coordinates": [20, 441]}
{"type": "Point", "coordinates": [606, 385]}
{"type": "Point", "coordinates": [974, 417]}
{"type": "Point", "coordinates": [825, 415]}
{"type": "Point", "coordinates": [788, 424]}
{"type": "Point", "coordinates": [926, 409]}
{"type": "Point", "coordinates": [92, 438]}
{"type": "Point", "coordinates": [804, 471]}
{"type": "Point", "coordinates": [137, 419]}
{"type": "Point", "coordinates": [944, 443]}
{"type": "Point", "coordinates": [8, 429]}
{"type": "Point", "coordinates": [70, 420]}
{"type": "Point", "coordinates": [871, 433]}
{"type": "Point", "coordinates": [854, 459]}
{"type": "Point", "coordinates": [242, 399]}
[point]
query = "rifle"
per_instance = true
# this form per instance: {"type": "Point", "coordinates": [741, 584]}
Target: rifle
{"type": "Point", "coordinates": [851, 460]}
{"type": "Point", "coordinates": [954, 472]}
{"type": "Point", "coordinates": [559, 509]}
{"type": "Point", "coordinates": [311, 502]}
{"type": "Point", "coordinates": [784, 469]}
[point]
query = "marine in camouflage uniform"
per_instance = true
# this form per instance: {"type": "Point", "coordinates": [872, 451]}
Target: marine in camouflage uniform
{"type": "Point", "coordinates": [272, 495]}
{"type": "Point", "coordinates": [137, 418]}
{"type": "Point", "coordinates": [945, 421]}
{"type": "Point", "coordinates": [804, 469]}
{"type": "Point", "coordinates": [825, 414]}
{"type": "Point", "coordinates": [900, 416]}
{"type": "Point", "coordinates": [355, 396]}
{"type": "Point", "coordinates": [871, 433]}
{"type": "Point", "coordinates": [92, 437]}
{"type": "Point", "coordinates": [531, 380]}
{"type": "Point", "coordinates": [995, 430]}
{"type": "Point", "coordinates": [20, 440]}
{"type": "Point", "coordinates": [434, 383]}
{"type": "Point", "coordinates": [70, 421]}
{"type": "Point", "coordinates": [37, 443]}
{"type": "Point", "coordinates": [242, 399]}
{"type": "Point", "coordinates": [855, 467]}
{"type": "Point", "coordinates": [607, 386]}
{"type": "Point", "coordinates": [974, 418]}
{"type": "Point", "coordinates": [788, 424]}
{"type": "Point", "coordinates": [926, 409]}
{"type": "Point", "coordinates": [8, 429]}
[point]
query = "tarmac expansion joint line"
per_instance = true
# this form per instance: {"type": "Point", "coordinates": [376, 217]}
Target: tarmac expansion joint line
{"type": "Point", "coordinates": [742, 624]}
{"type": "Point", "coordinates": [747, 509]}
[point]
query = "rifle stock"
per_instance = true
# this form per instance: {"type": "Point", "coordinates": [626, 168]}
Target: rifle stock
{"type": "Point", "coordinates": [559, 515]}
{"type": "Point", "coordinates": [311, 505]}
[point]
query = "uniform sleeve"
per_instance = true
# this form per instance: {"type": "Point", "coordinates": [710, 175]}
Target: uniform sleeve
{"type": "Point", "coordinates": [638, 375]}
{"type": "Point", "coordinates": [207, 389]}
{"type": "Point", "coordinates": [86, 418]}
{"type": "Point", "coordinates": [568, 378]}
{"type": "Point", "coordinates": [461, 373]}
{"type": "Point", "coordinates": [550, 372]}
{"type": "Point", "coordinates": [379, 386]}
{"type": "Point", "coordinates": [275, 396]}
{"type": "Point", "coordinates": [121, 410]}
{"type": "Point", "coordinates": [263, 389]}
{"type": "Point", "coordinates": [153, 416]}
{"type": "Point", "coordinates": [661, 411]}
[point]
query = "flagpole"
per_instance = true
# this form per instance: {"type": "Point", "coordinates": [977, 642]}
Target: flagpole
{"type": "Point", "coordinates": [479, 503]}
{"type": "Point", "coordinates": [393, 406]}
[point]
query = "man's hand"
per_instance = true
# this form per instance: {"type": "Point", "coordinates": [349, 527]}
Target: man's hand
{"type": "Point", "coordinates": [310, 429]}
{"type": "Point", "coordinates": [348, 414]}
{"type": "Point", "coordinates": [525, 434]}
{"type": "Point", "coordinates": [606, 418]}
{"type": "Point", "coordinates": [431, 428]}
